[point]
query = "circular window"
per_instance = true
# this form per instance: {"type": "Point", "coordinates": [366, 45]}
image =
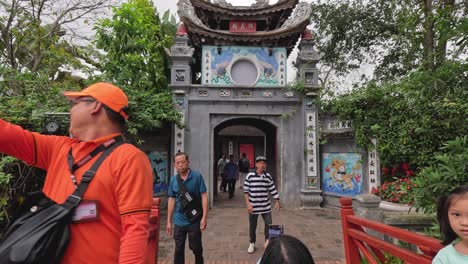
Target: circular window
{"type": "Point", "coordinates": [244, 72]}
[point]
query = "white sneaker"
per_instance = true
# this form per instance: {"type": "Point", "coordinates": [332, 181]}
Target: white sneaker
{"type": "Point", "coordinates": [251, 248]}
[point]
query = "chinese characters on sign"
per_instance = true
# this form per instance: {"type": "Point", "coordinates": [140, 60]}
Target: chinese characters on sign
{"type": "Point", "coordinates": [231, 148]}
{"type": "Point", "coordinates": [206, 66]}
{"type": "Point", "coordinates": [337, 124]}
{"type": "Point", "coordinates": [179, 136]}
{"type": "Point", "coordinates": [373, 166]}
{"type": "Point", "coordinates": [311, 146]}
{"type": "Point", "coordinates": [282, 69]}
{"type": "Point", "coordinates": [240, 26]}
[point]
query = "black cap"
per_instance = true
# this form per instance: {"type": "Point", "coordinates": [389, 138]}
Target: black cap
{"type": "Point", "coordinates": [260, 158]}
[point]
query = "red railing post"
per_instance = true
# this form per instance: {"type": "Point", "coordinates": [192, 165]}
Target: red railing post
{"type": "Point", "coordinates": [351, 249]}
{"type": "Point", "coordinates": [153, 240]}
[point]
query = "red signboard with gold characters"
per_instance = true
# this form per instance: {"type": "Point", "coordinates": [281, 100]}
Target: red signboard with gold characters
{"type": "Point", "coordinates": [242, 26]}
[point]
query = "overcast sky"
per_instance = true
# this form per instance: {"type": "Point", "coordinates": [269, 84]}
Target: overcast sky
{"type": "Point", "coordinates": [163, 5]}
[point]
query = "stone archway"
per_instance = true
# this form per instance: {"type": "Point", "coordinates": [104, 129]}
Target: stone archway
{"type": "Point", "coordinates": [228, 137]}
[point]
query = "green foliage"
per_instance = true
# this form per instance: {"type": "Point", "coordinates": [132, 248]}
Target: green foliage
{"type": "Point", "coordinates": [135, 42]}
{"type": "Point", "coordinates": [32, 95]}
{"type": "Point", "coordinates": [31, 34]}
{"type": "Point", "coordinates": [411, 119]}
{"type": "Point", "coordinates": [397, 37]}
{"type": "Point", "coordinates": [389, 259]}
{"type": "Point", "coordinates": [5, 178]}
{"type": "Point", "coordinates": [447, 172]}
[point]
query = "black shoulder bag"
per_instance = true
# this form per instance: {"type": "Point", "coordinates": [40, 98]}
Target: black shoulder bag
{"type": "Point", "coordinates": [41, 234]}
{"type": "Point", "coordinates": [191, 205]}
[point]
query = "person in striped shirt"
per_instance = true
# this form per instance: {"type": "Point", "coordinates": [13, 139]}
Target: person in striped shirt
{"type": "Point", "coordinates": [258, 186]}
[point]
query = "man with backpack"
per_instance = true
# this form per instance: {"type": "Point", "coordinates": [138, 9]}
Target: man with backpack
{"type": "Point", "coordinates": [111, 223]}
{"type": "Point", "coordinates": [187, 209]}
{"type": "Point", "coordinates": [244, 168]}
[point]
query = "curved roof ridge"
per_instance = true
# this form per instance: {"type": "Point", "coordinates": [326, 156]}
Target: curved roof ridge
{"type": "Point", "coordinates": [259, 7]}
{"type": "Point", "coordinates": [300, 15]}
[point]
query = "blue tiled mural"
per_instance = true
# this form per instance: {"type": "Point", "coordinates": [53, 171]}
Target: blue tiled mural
{"type": "Point", "coordinates": [159, 165]}
{"type": "Point", "coordinates": [342, 173]}
{"type": "Point", "coordinates": [270, 63]}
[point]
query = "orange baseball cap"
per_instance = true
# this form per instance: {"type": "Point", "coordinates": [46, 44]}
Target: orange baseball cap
{"type": "Point", "coordinates": [106, 93]}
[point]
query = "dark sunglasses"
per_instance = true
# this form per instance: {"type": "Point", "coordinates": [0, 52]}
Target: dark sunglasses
{"type": "Point", "coordinates": [77, 101]}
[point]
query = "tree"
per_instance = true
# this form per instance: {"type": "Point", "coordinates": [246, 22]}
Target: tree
{"type": "Point", "coordinates": [31, 35]}
{"type": "Point", "coordinates": [396, 37]}
{"type": "Point", "coordinates": [135, 41]}
{"type": "Point", "coordinates": [416, 99]}
{"type": "Point", "coordinates": [411, 118]}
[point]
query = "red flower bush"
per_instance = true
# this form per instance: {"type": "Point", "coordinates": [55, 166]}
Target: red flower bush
{"type": "Point", "coordinates": [398, 191]}
{"type": "Point", "coordinates": [397, 187]}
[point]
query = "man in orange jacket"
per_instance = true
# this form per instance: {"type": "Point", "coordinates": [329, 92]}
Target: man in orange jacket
{"type": "Point", "coordinates": [116, 230]}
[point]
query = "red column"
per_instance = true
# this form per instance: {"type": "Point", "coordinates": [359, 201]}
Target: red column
{"type": "Point", "coordinates": [351, 250]}
{"type": "Point", "coordinates": [153, 240]}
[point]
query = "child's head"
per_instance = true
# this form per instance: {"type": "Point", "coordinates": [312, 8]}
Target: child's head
{"type": "Point", "coordinates": [286, 249]}
{"type": "Point", "coordinates": [452, 213]}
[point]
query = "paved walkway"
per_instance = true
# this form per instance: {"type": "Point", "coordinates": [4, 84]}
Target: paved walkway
{"type": "Point", "coordinates": [226, 238]}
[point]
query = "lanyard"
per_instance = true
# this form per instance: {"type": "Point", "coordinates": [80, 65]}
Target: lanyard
{"type": "Point", "coordinates": [72, 166]}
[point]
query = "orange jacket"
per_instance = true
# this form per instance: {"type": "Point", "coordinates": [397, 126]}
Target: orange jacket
{"type": "Point", "coordinates": [122, 188]}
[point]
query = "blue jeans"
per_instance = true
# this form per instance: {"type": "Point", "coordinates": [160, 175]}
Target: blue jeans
{"type": "Point", "coordinates": [195, 243]}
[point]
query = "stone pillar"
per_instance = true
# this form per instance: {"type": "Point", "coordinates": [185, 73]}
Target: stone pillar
{"type": "Point", "coordinates": [373, 166]}
{"type": "Point", "coordinates": [181, 79]}
{"type": "Point", "coordinates": [308, 76]}
{"type": "Point", "coordinates": [367, 206]}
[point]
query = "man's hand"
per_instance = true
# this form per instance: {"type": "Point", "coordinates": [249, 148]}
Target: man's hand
{"type": "Point", "coordinates": [277, 205]}
{"type": "Point", "coordinates": [249, 208]}
{"type": "Point", "coordinates": [203, 224]}
{"type": "Point", "coordinates": [169, 228]}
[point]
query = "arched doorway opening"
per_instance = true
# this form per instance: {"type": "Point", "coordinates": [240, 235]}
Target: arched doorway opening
{"type": "Point", "coordinates": [251, 135]}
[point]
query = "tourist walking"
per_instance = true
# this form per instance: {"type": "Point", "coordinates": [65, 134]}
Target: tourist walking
{"type": "Point", "coordinates": [187, 209]}
{"type": "Point", "coordinates": [258, 186]}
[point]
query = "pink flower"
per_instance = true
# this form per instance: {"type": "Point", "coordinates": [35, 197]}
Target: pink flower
{"type": "Point", "coordinates": [405, 166]}
{"type": "Point", "coordinates": [385, 171]}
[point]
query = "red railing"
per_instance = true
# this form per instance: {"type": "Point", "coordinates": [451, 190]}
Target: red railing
{"type": "Point", "coordinates": [360, 245]}
{"type": "Point", "coordinates": [153, 240]}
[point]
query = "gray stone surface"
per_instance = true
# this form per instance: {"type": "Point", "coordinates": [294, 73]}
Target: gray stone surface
{"type": "Point", "coordinates": [227, 239]}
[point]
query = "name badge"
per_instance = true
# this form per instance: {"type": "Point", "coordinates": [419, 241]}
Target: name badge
{"type": "Point", "coordinates": [86, 211]}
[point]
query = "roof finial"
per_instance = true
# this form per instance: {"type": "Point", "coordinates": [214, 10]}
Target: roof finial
{"type": "Point", "coordinates": [307, 35]}
{"type": "Point", "coordinates": [181, 30]}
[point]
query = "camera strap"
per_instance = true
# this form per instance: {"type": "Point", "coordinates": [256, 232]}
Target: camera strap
{"type": "Point", "coordinates": [182, 188]}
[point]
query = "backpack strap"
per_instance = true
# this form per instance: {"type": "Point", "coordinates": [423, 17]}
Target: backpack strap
{"type": "Point", "coordinates": [75, 198]}
{"type": "Point", "coordinates": [182, 188]}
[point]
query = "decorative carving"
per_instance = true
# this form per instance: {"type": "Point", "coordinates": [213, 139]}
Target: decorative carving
{"type": "Point", "coordinates": [309, 78]}
{"type": "Point", "coordinates": [307, 35]}
{"type": "Point", "coordinates": [202, 92]}
{"type": "Point", "coordinates": [311, 199]}
{"type": "Point", "coordinates": [185, 9]}
{"type": "Point", "coordinates": [296, 21]}
{"type": "Point", "coordinates": [225, 93]}
{"type": "Point", "coordinates": [181, 30]}
{"type": "Point", "coordinates": [246, 93]}
{"type": "Point", "coordinates": [301, 13]}
{"type": "Point", "coordinates": [288, 94]}
{"type": "Point", "coordinates": [180, 75]}
{"type": "Point", "coordinates": [267, 94]}
{"type": "Point", "coordinates": [222, 3]}
{"type": "Point", "coordinates": [260, 3]}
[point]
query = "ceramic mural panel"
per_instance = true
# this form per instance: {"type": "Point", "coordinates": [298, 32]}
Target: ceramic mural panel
{"type": "Point", "coordinates": [270, 64]}
{"type": "Point", "coordinates": [342, 173]}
